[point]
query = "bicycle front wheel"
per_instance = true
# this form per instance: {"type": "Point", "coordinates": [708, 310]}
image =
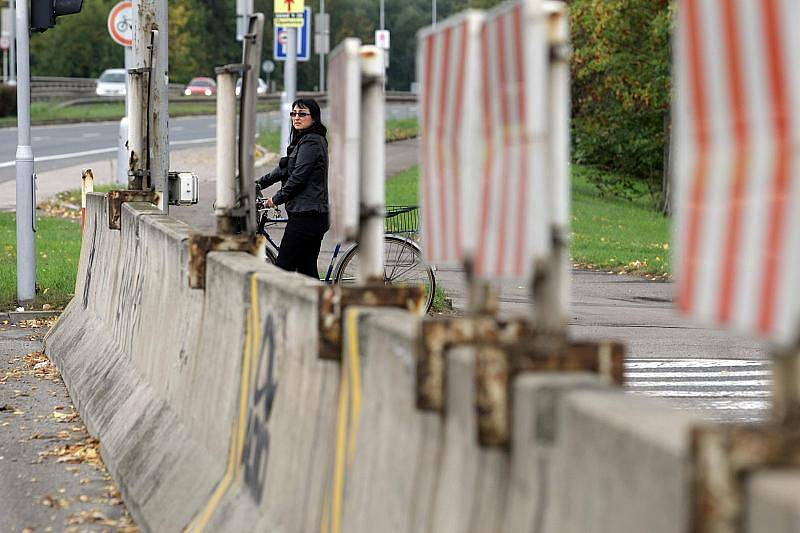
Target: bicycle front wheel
{"type": "Point", "coordinates": [402, 266]}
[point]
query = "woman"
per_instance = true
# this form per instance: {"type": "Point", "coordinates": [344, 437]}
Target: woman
{"type": "Point", "coordinates": [303, 174]}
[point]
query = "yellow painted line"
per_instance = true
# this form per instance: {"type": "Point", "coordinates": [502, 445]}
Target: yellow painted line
{"type": "Point", "coordinates": [341, 441]}
{"type": "Point", "coordinates": [355, 369]}
{"type": "Point", "coordinates": [237, 433]}
{"type": "Point", "coordinates": [255, 352]}
{"type": "Point", "coordinates": [326, 509]}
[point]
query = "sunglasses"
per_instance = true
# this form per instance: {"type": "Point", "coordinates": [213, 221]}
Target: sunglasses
{"type": "Point", "coordinates": [300, 114]}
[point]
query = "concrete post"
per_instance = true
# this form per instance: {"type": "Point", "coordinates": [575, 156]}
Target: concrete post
{"type": "Point", "coordinates": [226, 149]}
{"type": "Point", "coordinates": [286, 106]}
{"type": "Point", "coordinates": [26, 195]}
{"type": "Point", "coordinates": [373, 168]}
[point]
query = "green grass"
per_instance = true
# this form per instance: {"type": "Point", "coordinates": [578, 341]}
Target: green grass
{"type": "Point", "coordinates": [58, 244]}
{"type": "Point", "coordinates": [608, 233]}
{"type": "Point", "coordinates": [611, 233]}
{"type": "Point", "coordinates": [48, 112]}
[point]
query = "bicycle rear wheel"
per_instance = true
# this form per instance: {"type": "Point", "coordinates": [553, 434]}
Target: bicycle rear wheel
{"type": "Point", "coordinates": [271, 258]}
{"type": "Point", "coordinates": [402, 265]}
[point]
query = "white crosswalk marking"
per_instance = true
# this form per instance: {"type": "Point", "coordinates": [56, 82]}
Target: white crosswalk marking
{"type": "Point", "coordinates": [725, 389]}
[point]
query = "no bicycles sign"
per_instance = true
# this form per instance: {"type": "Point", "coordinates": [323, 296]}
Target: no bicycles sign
{"type": "Point", "coordinates": [120, 23]}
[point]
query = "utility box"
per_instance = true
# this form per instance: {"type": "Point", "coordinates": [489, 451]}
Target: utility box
{"type": "Point", "coordinates": [184, 188]}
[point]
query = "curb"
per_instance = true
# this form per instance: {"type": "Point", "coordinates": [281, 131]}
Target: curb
{"type": "Point", "coordinates": [16, 316]}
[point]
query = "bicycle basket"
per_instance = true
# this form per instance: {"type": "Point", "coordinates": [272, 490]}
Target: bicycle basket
{"type": "Point", "coordinates": [402, 219]}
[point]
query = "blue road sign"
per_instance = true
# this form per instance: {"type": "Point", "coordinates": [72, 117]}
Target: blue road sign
{"type": "Point", "coordinates": [303, 39]}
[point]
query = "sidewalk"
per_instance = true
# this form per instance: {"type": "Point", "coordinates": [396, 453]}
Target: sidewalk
{"type": "Point", "coordinates": [51, 475]}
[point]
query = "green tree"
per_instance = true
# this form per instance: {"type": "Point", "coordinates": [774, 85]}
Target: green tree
{"type": "Point", "coordinates": [620, 89]}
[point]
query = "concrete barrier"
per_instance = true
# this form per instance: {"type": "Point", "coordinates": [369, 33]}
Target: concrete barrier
{"type": "Point", "coordinates": [215, 412]}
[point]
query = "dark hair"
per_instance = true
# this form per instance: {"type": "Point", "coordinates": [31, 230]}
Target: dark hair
{"type": "Point", "coordinates": [316, 116]}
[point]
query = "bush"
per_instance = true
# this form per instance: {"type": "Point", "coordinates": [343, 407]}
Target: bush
{"type": "Point", "coordinates": [8, 100]}
{"type": "Point", "coordinates": [620, 91]}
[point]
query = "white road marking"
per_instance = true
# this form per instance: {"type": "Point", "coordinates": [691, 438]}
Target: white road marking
{"type": "Point", "coordinates": [700, 374]}
{"type": "Point", "coordinates": [99, 151]}
{"type": "Point", "coordinates": [720, 383]}
{"type": "Point", "coordinates": [707, 394]}
{"type": "Point", "coordinates": [178, 128]}
{"type": "Point", "coordinates": [693, 363]}
{"type": "Point", "coordinates": [91, 134]}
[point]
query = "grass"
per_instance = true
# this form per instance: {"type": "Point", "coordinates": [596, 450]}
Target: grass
{"type": "Point", "coordinates": [608, 233]}
{"type": "Point", "coordinates": [58, 244]}
{"type": "Point", "coordinates": [49, 113]}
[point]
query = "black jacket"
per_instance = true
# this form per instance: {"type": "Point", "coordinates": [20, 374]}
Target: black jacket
{"type": "Point", "coordinates": [303, 176]}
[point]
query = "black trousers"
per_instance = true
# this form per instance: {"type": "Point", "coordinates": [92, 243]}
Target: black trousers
{"type": "Point", "coordinates": [301, 241]}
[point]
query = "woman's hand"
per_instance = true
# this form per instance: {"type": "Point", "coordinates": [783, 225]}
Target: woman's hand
{"type": "Point", "coordinates": [269, 203]}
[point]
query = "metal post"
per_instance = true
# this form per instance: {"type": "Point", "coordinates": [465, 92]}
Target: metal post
{"type": "Point", "coordinates": [290, 66]}
{"type": "Point", "coordinates": [382, 24]}
{"type": "Point", "coordinates": [122, 150]}
{"type": "Point", "coordinates": [136, 128]}
{"type": "Point", "coordinates": [12, 51]}
{"type": "Point", "coordinates": [323, 36]}
{"type": "Point", "coordinates": [373, 168]}
{"type": "Point", "coordinates": [247, 120]}
{"type": "Point", "coordinates": [551, 286]}
{"type": "Point", "coordinates": [159, 120]}
{"type": "Point", "coordinates": [433, 12]}
{"type": "Point", "coordinates": [226, 149]}
{"type": "Point", "coordinates": [26, 199]}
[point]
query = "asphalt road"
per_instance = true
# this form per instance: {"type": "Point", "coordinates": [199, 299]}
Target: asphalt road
{"type": "Point", "coordinates": [56, 146]}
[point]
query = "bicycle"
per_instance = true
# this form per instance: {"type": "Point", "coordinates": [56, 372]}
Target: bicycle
{"type": "Point", "coordinates": [403, 264]}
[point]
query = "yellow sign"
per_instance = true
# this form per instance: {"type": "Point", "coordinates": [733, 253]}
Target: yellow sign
{"type": "Point", "coordinates": [289, 6]}
{"type": "Point", "coordinates": [288, 13]}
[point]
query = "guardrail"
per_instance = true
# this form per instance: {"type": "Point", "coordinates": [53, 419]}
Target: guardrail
{"type": "Point", "coordinates": [80, 91]}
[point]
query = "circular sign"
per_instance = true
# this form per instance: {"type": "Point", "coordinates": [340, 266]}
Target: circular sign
{"type": "Point", "coordinates": [120, 23]}
{"type": "Point", "coordinates": [283, 37]}
{"type": "Point", "coordinates": [5, 42]}
{"type": "Point", "coordinates": [268, 66]}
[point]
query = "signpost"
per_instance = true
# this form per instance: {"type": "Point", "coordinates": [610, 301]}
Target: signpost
{"type": "Point", "coordinates": [120, 27]}
{"type": "Point", "coordinates": [281, 35]}
{"type": "Point", "coordinates": [289, 13]}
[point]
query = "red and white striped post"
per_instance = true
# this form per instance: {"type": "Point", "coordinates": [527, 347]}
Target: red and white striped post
{"type": "Point", "coordinates": [737, 173]}
{"type": "Point", "coordinates": [87, 186]}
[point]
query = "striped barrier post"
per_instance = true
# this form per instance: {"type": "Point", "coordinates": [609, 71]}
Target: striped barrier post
{"type": "Point", "coordinates": [736, 117]}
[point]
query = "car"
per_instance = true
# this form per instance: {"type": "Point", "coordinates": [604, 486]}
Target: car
{"type": "Point", "coordinates": [261, 89]}
{"type": "Point", "coordinates": [111, 82]}
{"type": "Point", "coordinates": [201, 86]}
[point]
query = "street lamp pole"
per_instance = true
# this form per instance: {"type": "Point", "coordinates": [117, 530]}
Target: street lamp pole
{"type": "Point", "coordinates": [26, 199]}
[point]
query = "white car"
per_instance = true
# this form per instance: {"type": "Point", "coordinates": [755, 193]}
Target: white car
{"type": "Point", "coordinates": [111, 82]}
{"type": "Point", "coordinates": [261, 89]}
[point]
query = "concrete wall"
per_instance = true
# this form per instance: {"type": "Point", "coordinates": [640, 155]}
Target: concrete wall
{"type": "Point", "coordinates": [215, 413]}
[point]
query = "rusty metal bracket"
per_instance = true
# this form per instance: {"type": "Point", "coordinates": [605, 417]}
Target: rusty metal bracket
{"type": "Point", "coordinates": [722, 457]}
{"type": "Point", "coordinates": [200, 245]}
{"type": "Point", "coordinates": [503, 350]}
{"type": "Point", "coordinates": [497, 365]}
{"type": "Point", "coordinates": [334, 299]}
{"type": "Point", "coordinates": [115, 200]}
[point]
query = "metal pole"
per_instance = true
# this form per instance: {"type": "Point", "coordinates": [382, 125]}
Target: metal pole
{"type": "Point", "coordinates": [382, 25]}
{"type": "Point", "coordinates": [290, 68]}
{"type": "Point", "coordinates": [137, 110]}
{"type": "Point", "coordinates": [373, 168]}
{"type": "Point", "coordinates": [159, 162]}
{"type": "Point", "coordinates": [12, 51]}
{"type": "Point", "coordinates": [433, 12]}
{"type": "Point", "coordinates": [26, 200]}
{"type": "Point", "coordinates": [122, 150]}
{"type": "Point", "coordinates": [551, 287]}
{"type": "Point", "coordinates": [247, 120]}
{"type": "Point", "coordinates": [323, 31]}
{"type": "Point", "coordinates": [226, 149]}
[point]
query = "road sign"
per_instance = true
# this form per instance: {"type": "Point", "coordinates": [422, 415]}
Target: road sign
{"type": "Point", "coordinates": [120, 23]}
{"type": "Point", "coordinates": [345, 132]}
{"type": "Point", "coordinates": [289, 13]}
{"type": "Point", "coordinates": [303, 39]}
{"type": "Point", "coordinates": [267, 66]}
{"type": "Point", "coordinates": [487, 193]}
{"type": "Point", "coordinates": [736, 175]}
{"type": "Point", "coordinates": [382, 39]}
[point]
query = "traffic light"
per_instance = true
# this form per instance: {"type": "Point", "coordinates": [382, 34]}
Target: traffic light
{"type": "Point", "coordinates": [44, 12]}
